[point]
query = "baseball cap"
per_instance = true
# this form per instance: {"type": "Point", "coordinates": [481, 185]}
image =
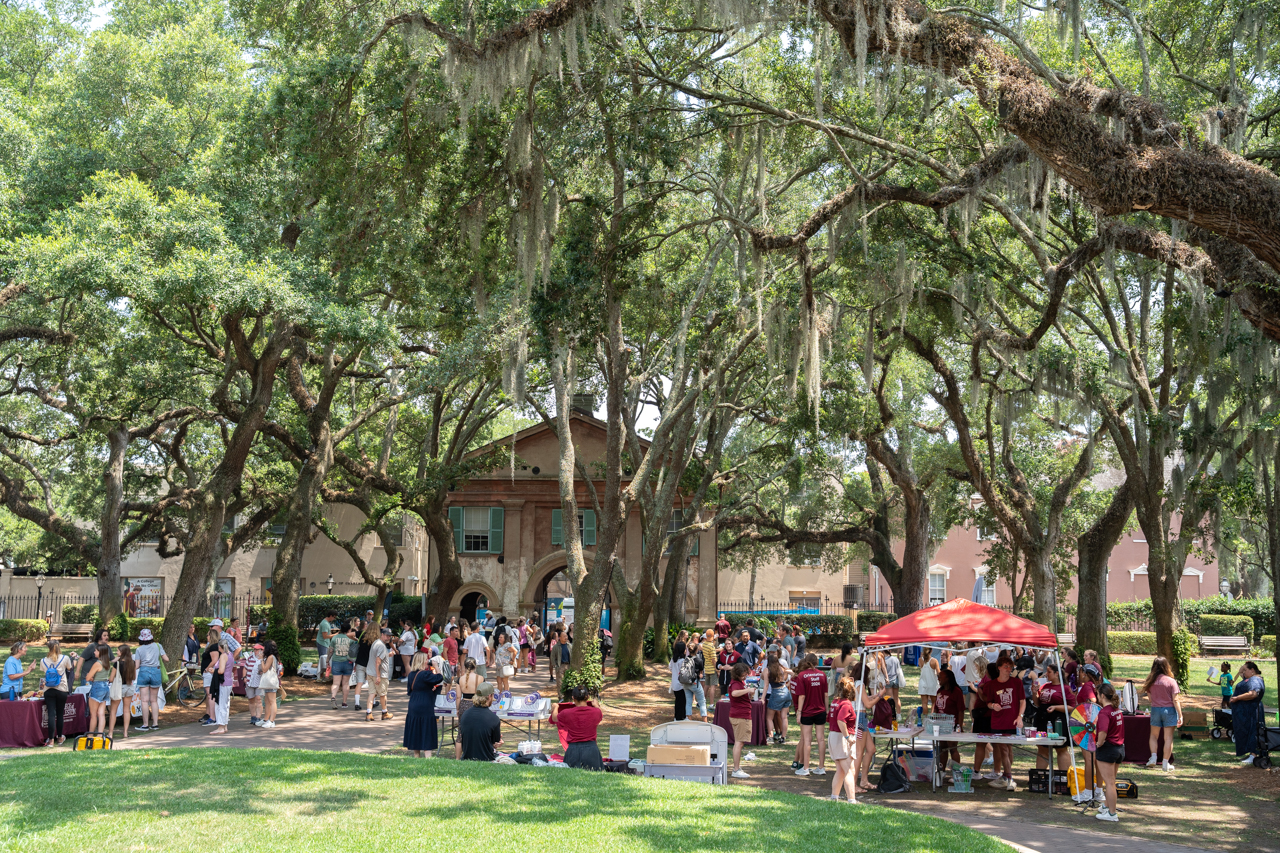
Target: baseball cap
{"type": "Point", "coordinates": [1093, 670]}
{"type": "Point", "coordinates": [215, 623]}
{"type": "Point", "coordinates": [484, 689]}
{"type": "Point", "coordinates": [259, 647]}
{"type": "Point", "coordinates": [386, 631]}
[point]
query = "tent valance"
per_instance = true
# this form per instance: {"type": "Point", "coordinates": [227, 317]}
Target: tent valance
{"type": "Point", "coordinates": [961, 621]}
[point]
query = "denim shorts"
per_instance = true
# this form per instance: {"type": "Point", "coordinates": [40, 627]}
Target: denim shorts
{"type": "Point", "coordinates": [99, 690]}
{"type": "Point", "coordinates": [149, 676]}
{"type": "Point", "coordinates": [342, 667]}
{"type": "Point", "coordinates": [778, 700]}
{"type": "Point", "coordinates": [1164, 717]}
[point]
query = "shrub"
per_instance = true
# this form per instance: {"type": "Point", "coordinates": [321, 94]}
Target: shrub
{"type": "Point", "coordinates": [589, 675]}
{"type": "Point", "coordinates": [136, 626]}
{"type": "Point", "coordinates": [1131, 642]}
{"type": "Point", "coordinates": [1184, 646]}
{"type": "Point", "coordinates": [1261, 610]}
{"type": "Point", "coordinates": [1060, 621]}
{"type": "Point", "coordinates": [118, 628]}
{"type": "Point", "coordinates": [79, 614]}
{"type": "Point", "coordinates": [1267, 644]}
{"type": "Point", "coordinates": [1215, 625]}
{"type": "Point", "coordinates": [870, 621]}
{"type": "Point", "coordinates": [285, 637]}
{"type": "Point", "coordinates": [763, 623]}
{"type": "Point", "coordinates": [673, 631]}
{"type": "Point", "coordinates": [27, 630]}
{"type": "Point", "coordinates": [826, 631]}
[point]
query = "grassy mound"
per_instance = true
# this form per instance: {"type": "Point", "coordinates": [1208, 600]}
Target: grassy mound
{"type": "Point", "coordinates": [262, 800]}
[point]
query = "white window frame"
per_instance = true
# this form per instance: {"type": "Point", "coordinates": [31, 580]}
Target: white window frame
{"type": "Point", "coordinates": [988, 587]}
{"type": "Point", "coordinates": [988, 537]}
{"type": "Point", "coordinates": [475, 540]}
{"type": "Point", "coordinates": [945, 572]}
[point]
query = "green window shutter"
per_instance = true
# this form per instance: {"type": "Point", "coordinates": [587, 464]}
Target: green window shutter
{"type": "Point", "coordinates": [588, 527]}
{"type": "Point", "coordinates": [495, 529]}
{"type": "Point", "coordinates": [455, 518]}
{"type": "Point", "coordinates": [557, 527]}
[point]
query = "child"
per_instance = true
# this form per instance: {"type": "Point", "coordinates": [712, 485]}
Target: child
{"type": "Point", "coordinates": [1226, 680]}
{"type": "Point", "coordinates": [252, 690]}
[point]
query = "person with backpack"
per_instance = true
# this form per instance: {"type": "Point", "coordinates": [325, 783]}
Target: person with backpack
{"type": "Point", "coordinates": [57, 686]}
{"type": "Point", "coordinates": [124, 671]}
{"type": "Point", "coordinates": [691, 670]}
{"type": "Point", "coordinates": [341, 664]}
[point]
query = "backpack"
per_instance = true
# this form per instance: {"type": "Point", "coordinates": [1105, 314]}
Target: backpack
{"type": "Point", "coordinates": [687, 674]}
{"type": "Point", "coordinates": [893, 779]}
{"type": "Point", "coordinates": [53, 674]}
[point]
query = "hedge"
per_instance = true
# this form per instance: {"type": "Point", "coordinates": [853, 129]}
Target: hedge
{"type": "Point", "coordinates": [313, 608]}
{"type": "Point", "coordinates": [79, 614]}
{"type": "Point", "coordinates": [1267, 643]}
{"type": "Point", "coordinates": [673, 631]}
{"type": "Point", "coordinates": [825, 631]}
{"type": "Point", "coordinates": [1213, 625]}
{"type": "Point", "coordinates": [1060, 620]}
{"type": "Point", "coordinates": [27, 630]}
{"type": "Point", "coordinates": [1131, 642]}
{"type": "Point", "coordinates": [870, 621]}
{"type": "Point", "coordinates": [1261, 610]}
{"type": "Point", "coordinates": [765, 624]}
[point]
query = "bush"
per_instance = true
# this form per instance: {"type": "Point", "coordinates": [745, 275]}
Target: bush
{"type": "Point", "coordinates": [118, 628]}
{"type": "Point", "coordinates": [1185, 644]}
{"type": "Point", "coordinates": [285, 637]}
{"type": "Point", "coordinates": [1214, 625]}
{"type": "Point", "coordinates": [136, 626]}
{"type": "Point", "coordinates": [767, 624]}
{"type": "Point", "coordinates": [673, 631]}
{"type": "Point", "coordinates": [589, 675]}
{"type": "Point", "coordinates": [79, 614]}
{"type": "Point", "coordinates": [826, 631]}
{"type": "Point", "coordinates": [870, 621]}
{"type": "Point", "coordinates": [1060, 621]}
{"type": "Point", "coordinates": [1261, 610]}
{"type": "Point", "coordinates": [27, 630]}
{"type": "Point", "coordinates": [1267, 644]}
{"type": "Point", "coordinates": [1131, 642]}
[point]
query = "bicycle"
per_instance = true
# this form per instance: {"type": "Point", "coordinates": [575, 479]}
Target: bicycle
{"type": "Point", "coordinates": [187, 687]}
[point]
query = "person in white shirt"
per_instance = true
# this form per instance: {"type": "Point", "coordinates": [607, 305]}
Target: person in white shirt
{"type": "Point", "coordinates": [477, 649]}
{"type": "Point", "coordinates": [408, 645]}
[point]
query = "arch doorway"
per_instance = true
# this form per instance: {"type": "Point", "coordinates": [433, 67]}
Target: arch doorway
{"type": "Point", "coordinates": [553, 600]}
{"type": "Point", "coordinates": [471, 605]}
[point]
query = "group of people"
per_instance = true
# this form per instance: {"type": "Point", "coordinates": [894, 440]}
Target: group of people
{"type": "Point", "coordinates": [224, 651]}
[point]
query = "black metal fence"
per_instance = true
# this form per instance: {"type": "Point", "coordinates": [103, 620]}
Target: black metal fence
{"type": "Point", "coordinates": [62, 608]}
{"type": "Point", "coordinates": [807, 607]}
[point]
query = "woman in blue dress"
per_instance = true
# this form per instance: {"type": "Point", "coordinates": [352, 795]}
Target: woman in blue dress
{"type": "Point", "coordinates": [420, 733]}
{"type": "Point", "coordinates": [1246, 710]}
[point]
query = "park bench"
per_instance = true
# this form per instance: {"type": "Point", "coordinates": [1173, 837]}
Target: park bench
{"type": "Point", "coordinates": [1066, 640]}
{"type": "Point", "coordinates": [1226, 644]}
{"type": "Point", "coordinates": [66, 630]}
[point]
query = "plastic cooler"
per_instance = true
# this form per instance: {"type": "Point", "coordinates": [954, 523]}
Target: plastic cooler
{"type": "Point", "coordinates": [916, 762]}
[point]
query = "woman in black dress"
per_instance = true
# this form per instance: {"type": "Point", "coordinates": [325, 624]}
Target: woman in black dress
{"type": "Point", "coordinates": [420, 733]}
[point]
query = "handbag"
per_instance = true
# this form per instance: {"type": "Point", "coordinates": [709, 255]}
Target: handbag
{"type": "Point", "coordinates": [117, 685]}
{"type": "Point", "coordinates": [508, 671]}
{"type": "Point", "coordinates": [269, 680]}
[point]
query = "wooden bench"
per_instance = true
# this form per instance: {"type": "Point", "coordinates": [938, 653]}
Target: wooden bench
{"type": "Point", "coordinates": [1066, 640]}
{"type": "Point", "coordinates": [1226, 644]}
{"type": "Point", "coordinates": [72, 629]}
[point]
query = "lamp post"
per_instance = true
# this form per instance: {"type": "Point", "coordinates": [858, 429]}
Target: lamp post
{"type": "Point", "coordinates": [39, 593]}
{"type": "Point", "coordinates": [329, 583]}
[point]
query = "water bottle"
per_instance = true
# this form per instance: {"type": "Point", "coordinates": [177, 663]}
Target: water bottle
{"type": "Point", "coordinates": [920, 715]}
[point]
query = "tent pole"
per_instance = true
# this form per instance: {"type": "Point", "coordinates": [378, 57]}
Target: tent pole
{"type": "Point", "coordinates": [1071, 748]}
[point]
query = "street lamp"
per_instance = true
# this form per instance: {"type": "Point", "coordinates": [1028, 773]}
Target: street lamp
{"type": "Point", "coordinates": [39, 593]}
{"type": "Point", "coordinates": [329, 583]}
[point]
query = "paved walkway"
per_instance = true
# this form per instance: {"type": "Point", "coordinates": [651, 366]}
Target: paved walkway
{"type": "Point", "coordinates": [1038, 838]}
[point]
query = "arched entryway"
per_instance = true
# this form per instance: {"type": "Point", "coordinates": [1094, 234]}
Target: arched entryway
{"type": "Point", "coordinates": [471, 600]}
{"type": "Point", "coordinates": [553, 599]}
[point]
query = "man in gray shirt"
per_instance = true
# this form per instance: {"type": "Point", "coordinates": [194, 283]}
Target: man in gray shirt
{"type": "Point", "coordinates": [380, 674]}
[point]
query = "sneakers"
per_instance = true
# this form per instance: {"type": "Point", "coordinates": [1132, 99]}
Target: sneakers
{"type": "Point", "coordinates": [1168, 768]}
{"type": "Point", "coordinates": [1111, 817]}
{"type": "Point", "coordinates": [1082, 797]}
{"type": "Point", "coordinates": [802, 771]}
{"type": "Point", "coordinates": [818, 771]}
{"type": "Point", "coordinates": [997, 782]}
{"type": "Point", "coordinates": [204, 722]}
{"type": "Point", "coordinates": [738, 774]}
{"type": "Point", "coordinates": [1151, 762]}
{"type": "Point", "coordinates": [1099, 794]}
{"type": "Point", "coordinates": [796, 765]}
{"type": "Point", "coordinates": [990, 776]}
{"type": "Point", "coordinates": [1248, 761]}
{"type": "Point", "coordinates": [335, 702]}
{"type": "Point", "coordinates": [344, 704]}
{"type": "Point", "coordinates": [1010, 785]}
{"type": "Point", "coordinates": [205, 717]}
{"type": "Point", "coordinates": [253, 721]}
{"type": "Point", "coordinates": [268, 724]}
{"type": "Point", "coordinates": [256, 722]}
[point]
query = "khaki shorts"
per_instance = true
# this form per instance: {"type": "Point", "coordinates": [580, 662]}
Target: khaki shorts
{"type": "Point", "coordinates": [837, 746]}
{"type": "Point", "coordinates": [380, 687]}
{"type": "Point", "coordinates": [741, 729]}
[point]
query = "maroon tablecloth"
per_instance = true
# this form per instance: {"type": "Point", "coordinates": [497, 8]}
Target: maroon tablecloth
{"type": "Point", "coordinates": [759, 734]}
{"type": "Point", "coordinates": [23, 723]}
{"type": "Point", "coordinates": [1137, 732]}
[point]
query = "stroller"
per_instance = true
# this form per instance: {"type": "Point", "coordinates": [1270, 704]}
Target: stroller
{"type": "Point", "coordinates": [1222, 725]}
{"type": "Point", "coordinates": [1268, 740]}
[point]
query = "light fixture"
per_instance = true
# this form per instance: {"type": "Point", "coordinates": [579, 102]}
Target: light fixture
{"type": "Point", "coordinates": [40, 581]}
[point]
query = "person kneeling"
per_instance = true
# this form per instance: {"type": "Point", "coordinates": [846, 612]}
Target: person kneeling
{"type": "Point", "coordinates": [578, 725]}
{"type": "Point", "coordinates": [479, 728]}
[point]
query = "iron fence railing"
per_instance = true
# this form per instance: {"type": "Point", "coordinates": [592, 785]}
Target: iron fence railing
{"type": "Point", "coordinates": [64, 608]}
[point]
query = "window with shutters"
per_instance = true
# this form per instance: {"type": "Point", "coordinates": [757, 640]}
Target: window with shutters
{"type": "Point", "coordinates": [676, 523]}
{"type": "Point", "coordinates": [937, 588]}
{"type": "Point", "coordinates": [475, 528]}
{"type": "Point", "coordinates": [586, 527]}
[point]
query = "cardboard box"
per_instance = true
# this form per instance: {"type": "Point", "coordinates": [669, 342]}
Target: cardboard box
{"type": "Point", "coordinates": [699, 756]}
{"type": "Point", "coordinates": [1195, 724]}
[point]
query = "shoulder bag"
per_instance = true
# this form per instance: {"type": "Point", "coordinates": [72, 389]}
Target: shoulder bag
{"type": "Point", "coordinates": [117, 683]}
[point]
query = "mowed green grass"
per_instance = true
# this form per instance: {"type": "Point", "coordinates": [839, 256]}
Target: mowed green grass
{"type": "Point", "coordinates": [264, 800]}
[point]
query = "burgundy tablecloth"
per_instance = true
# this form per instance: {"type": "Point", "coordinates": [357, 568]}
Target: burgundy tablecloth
{"type": "Point", "coordinates": [759, 734]}
{"type": "Point", "coordinates": [1137, 732]}
{"type": "Point", "coordinates": [23, 723]}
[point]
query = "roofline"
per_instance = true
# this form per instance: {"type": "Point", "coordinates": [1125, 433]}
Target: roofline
{"type": "Point", "coordinates": [535, 428]}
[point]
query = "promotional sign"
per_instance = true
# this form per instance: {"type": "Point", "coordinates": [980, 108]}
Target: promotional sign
{"type": "Point", "coordinates": [143, 597]}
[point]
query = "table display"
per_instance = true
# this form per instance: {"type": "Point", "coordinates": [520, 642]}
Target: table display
{"type": "Point", "coordinates": [759, 731]}
{"type": "Point", "coordinates": [23, 723]}
{"type": "Point", "coordinates": [915, 733]}
{"type": "Point", "coordinates": [1137, 734]}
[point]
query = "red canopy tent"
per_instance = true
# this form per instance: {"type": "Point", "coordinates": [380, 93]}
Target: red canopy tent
{"type": "Point", "coordinates": [961, 621]}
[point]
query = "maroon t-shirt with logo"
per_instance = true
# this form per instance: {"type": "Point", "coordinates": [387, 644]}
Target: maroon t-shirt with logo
{"type": "Point", "coordinates": [813, 687]}
{"type": "Point", "coordinates": [950, 702]}
{"type": "Point", "coordinates": [1006, 694]}
{"type": "Point", "coordinates": [739, 706]}
{"type": "Point", "coordinates": [1111, 726]}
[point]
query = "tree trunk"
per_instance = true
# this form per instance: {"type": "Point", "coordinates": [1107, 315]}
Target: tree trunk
{"type": "Point", "coordinates": [286, 575]}
{"type": "Point", "coordinates": [1093, 549]}
{"type": "Point", "coordinates": [911, 591]}
{"type": "Point", "coordinates": [628, 651]}
{"type": "Point", "coordinates": [1164, 575]}
{"type": "Point", "coordinates": [1043, 586]}
{"type": "Point", "coordinates": [200, 564]}
{"type": "Point", "coordinates": [448, 580]}
{"type": "Point", "coordinates": [110, 592]}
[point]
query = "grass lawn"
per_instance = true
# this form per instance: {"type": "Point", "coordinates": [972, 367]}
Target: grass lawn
{"type": "Point", "coordinates": [229, 799]}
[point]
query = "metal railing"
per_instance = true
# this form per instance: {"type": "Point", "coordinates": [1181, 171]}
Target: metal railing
{"type": "Point", "coordinates": [806, 607]}
{"type": "Point", "coordinates": [61, 608]}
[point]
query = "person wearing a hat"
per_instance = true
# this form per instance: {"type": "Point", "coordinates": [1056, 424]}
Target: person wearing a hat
{"type": "Point", "coordinates": [479, 730]}
{"type": "Point", "coordinates": [232, 642]}
{"type": "Point", "coordinates": [150, 678]}
{"type": "Point", "coordinates": [379, 674]}
{"type": "Point", "coordinates": [1090, 680]}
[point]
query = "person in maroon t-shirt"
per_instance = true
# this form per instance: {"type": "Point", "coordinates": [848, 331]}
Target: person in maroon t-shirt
{"type": "Point", "coordinates": [723, 627]}
{"type": "Point", "coordinates": [811, 710]}
{"type": "Point", "coordinates": [1110, 750]}
{"type": "Point", "coordinates": [1051, 708]}
{"type": "Point", "coordinates": [843, 729]}
{"type": "Point", "coordinates": [451, 648]}
{"type": "Point", "coordinates": [1090, 677]}
{"type": "Point", "coordinates": [949, 700]}
{"type": "Point", "coordinates": [1007, 701]}
{"type": "Point", "coordinates": [739, 714]}
{"type": "Point", "coordinates": [578, 725]}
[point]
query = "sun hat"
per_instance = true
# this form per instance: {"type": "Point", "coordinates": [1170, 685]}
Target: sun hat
{"type": "Point", "coordinates": [258, 647]}
{"type": "Point", "coordinates": [145, 634]}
